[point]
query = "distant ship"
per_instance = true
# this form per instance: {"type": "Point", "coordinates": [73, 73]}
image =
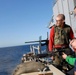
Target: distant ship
{"type": "Point", "coordinates": [65, 7]}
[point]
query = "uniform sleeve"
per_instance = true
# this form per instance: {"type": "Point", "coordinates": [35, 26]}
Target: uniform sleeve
{"type": "Point", "coordinates": [71, 33]}
{"type": "Point", "coordinates": [70, 60]}
{"type": "Point", "coordinates": [51, 39]}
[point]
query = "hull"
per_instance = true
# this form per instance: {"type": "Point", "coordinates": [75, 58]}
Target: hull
{"type": "Point", "coordinates": [53, 71]}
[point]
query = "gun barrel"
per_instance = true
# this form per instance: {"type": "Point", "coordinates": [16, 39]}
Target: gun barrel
{"type": "Point", "coordinates": [36, 41]}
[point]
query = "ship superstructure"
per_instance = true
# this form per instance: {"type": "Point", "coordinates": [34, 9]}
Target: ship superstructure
{"type": "Point", "coordinates": [65, 7]}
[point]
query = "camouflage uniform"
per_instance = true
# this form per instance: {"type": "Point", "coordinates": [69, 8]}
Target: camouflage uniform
{"type": "Point", "coordinates": [61, 37]}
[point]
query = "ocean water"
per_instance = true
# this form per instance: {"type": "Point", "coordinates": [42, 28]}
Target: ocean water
{"type": "Point", "coordinates": [10, 57]}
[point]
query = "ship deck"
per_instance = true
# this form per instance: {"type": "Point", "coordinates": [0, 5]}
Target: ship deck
{"type": "Point", "coordinates": [53, 71]}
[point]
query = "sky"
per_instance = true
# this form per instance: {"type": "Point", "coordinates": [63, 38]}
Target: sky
{"type": "Point", "coordinates": [24, 20]}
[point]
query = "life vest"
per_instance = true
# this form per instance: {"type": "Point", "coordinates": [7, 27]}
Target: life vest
{"type": "Point", "coordinates": [61, 36]}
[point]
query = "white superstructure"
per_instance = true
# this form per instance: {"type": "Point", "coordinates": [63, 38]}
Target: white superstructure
{"type": "Point", "coordinates": [65, 7]}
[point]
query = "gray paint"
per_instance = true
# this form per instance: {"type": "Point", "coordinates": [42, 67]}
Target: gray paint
{"type": "Point", "coordinates": [65, 7]}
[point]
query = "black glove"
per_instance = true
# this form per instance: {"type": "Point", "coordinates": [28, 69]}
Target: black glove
{"type": "Point", "coordinates": [51, 53]}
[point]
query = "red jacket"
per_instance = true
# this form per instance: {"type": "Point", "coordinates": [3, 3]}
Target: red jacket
{"type": "Point", "coordinates": [51, 38]}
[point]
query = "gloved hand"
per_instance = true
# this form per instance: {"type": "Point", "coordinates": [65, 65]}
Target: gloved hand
{"type": "Point", "coordinates": [51, 53]}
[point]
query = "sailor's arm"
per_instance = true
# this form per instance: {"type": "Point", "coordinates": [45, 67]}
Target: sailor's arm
{"type": "Point", "coordinates": [51, 39]}
{"type": "Point", "coordinates": [71, 34]}
{"type": "Point", "coordinates": [69, 59]}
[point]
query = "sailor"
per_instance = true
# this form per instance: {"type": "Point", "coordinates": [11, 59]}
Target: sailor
{"type": "Point", "coordinates": [69, 59]}
{"type": "Point", "coordinates": [60, 34]}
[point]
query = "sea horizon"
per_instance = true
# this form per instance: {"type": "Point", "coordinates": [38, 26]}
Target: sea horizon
{"type": "Point", "coordinates": [10, 57]}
